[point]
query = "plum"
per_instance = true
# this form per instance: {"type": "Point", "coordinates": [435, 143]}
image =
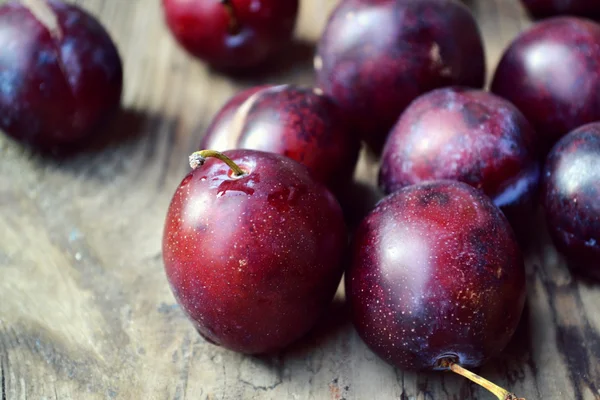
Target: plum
{"type": "Point", "coordinates": [61, 76]}
{"type": "Point", "coordinates": [571, 198]}
{"type": "Point", "coordinates": [547, 8]}
{"type": "Point", "coordinates": [436, 274]}
{"type": "Point", "coordinates": [466, 135]}
{"type": "Point", "coordinates": [300, 123]}
{"type": "Point", "coordinates": [232, 34]}
{"type": "Point", "coordinates": [253, 249]}
{"type": "Point", "coordinates": [550, 72]}
{"type": "Point", "coordinates": [375, 57]}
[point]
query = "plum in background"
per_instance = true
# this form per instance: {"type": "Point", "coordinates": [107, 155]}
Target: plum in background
{"type": "Point", "coordinates": [470, 136]}
{"type": "Point", "coordinates": [437, 278]}
{"type": "Point", "coordinates": [253, 249]}
{"type": "Point", "coordinates": [375, 57]}
{"type": "Point", "coordinates": [300, 123]}
{"type": "Point", "coordinates": [61, 76]}
{"type": "Point", "coordinates": [571, 198]}
{"type": "Point", "coordinates": [547, 8]}
{"type": "Point", "coordinates": [550, 72]}
{"type": "Point", "coordinates": [232, 34]}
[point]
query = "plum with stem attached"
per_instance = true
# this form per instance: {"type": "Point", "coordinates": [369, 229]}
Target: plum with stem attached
{"type": "Point", "coordinates": [437, 280]}
{"type": "Point", "coordinates": [253, 249]}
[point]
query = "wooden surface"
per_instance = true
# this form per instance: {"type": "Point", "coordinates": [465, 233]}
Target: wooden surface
{"type": "Point", "coordinates": [85, 310]}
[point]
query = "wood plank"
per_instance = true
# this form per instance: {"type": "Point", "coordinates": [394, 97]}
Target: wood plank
{"type": "Point", "coordinates": [85, 310]}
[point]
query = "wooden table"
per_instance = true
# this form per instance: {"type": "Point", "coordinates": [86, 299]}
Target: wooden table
{"type": "Point", "coordinates": [85, 309]}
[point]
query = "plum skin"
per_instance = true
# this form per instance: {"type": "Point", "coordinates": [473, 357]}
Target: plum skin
{"type": "Point", "coordinates": [550, 72]}
{"type": "Point", "coordinates": [294, 121]}
{"type": "Point", "coordinates": [571, 198]}
{"type": "Point", "coordinates": [374, 58]}
{"type": "Point", "coordinates": [436, 273]}
{"type": "Point", "coordinates": [253, 261]}
{"type": "Point", "coordinates": [57, 87]}
{"type": "Point", "coordinates": [467, 135]}
{"type": "Point", "coordinates": [203, 28]}
{"type": "Point", "coordinates": [546, 8]}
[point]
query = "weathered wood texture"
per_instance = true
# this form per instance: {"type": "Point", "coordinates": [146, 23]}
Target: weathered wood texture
{"type": "Point", "coordinates": [85, 310]}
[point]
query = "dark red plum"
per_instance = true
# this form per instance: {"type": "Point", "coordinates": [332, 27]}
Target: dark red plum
{"type": "Point", "coordinates": [60, 74]}
{"type": "Point", "coordinates": [571, 198]}
{"type": "Point", "coordinates": [550, 72]}
{"type": "Point", "coordinates": [253, 259]}
{"type": "Point", "coordinates": [232, 34]}
{"type": "Point", "coordinates": [436, 277]}
{"type": "Point", "coordinates": [300, 123]}
{"type": "Point", "coordinates": [375, 57]}
{"type": "Point", "coordinates": [547, 8]}
{"type": "Point", "coordinates": [467, 135]}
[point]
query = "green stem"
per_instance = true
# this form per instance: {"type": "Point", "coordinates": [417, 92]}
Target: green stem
{"type": "Point", "coordinates": [199, 158]}
{"type": "Point", "coordinates": [500, 393]}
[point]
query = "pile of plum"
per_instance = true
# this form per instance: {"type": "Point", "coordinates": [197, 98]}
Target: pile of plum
{"type": "Point", "coordinates": [255, 241]}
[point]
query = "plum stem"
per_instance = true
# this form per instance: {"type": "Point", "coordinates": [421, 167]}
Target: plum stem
{"type": "Point", "coordinates": [500, 393]}
{"type": "Point", "coordinates": [199, 158]}
{"type": "Point", "coordinates": [234, 23]}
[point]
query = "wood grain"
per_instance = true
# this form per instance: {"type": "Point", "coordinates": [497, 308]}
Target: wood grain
{"type": "Point", "coordinates": [85, 310]}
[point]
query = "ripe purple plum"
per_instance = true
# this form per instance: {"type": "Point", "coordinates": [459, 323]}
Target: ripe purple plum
{"type": "Point", "coordinates": [571, 198]}
{"type": "Point", "coordinates": [232, 34]}
{"type": "Point", "coordinates": [375, 57]}
{"type": "Point", "coordinates": [61, 76]}
{"type": "Point", "coordinates": [297, 122]}
{"type": "Point", "coordinates": [550, 72]}
{"type": "Point", "coordinates": [437, 279]}
{"type": "Point", "coordinates": [467, 135]}
{"type": "Point", "coordinates": [253, 249]}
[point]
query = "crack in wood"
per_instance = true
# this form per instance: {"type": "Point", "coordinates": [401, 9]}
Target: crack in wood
{"type": "Point", "coordinates": [186, 361]}
{"type": "Point", "coordinates": [574, 343]}
{"type": "Point", "coordinates": [3, 381]}
{"type": "Point", "coordinates": [400, 379]}
{"type": "Point", "coordinates": [265, 388]}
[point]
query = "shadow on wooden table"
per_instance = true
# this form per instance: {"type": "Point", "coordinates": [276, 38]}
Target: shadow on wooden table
{"type": "Point", "coordinates": [576, 336]}
{"type": "Point", "coordinates": [517, 356]}
{"type": "Point", "coordinates": [127, 126]}
{"type": "Point", "coordinates": [335, 320]}
{"type": "Point", "coordinates": [297, 57]}
{"type": "Point", "coordinates": [132, 140]}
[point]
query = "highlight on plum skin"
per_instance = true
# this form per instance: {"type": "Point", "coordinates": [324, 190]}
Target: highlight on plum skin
{"type": "Point", "coordinates": [550, 72]}
{"type": "Point", "coordinates": [375, 57]}
{"type": "Point", "coordinates": [232, 35]}
{"type": "Point", "coordinates": [61, 76]}
{"type": "Point", "coordinates": [298, 122]}
{"type": "Point", "coordinates": [571, 198]}
{"type": "Point", "coordinates": [471, 136]}
{"type": "Point", "coordinates": [436, 274]}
